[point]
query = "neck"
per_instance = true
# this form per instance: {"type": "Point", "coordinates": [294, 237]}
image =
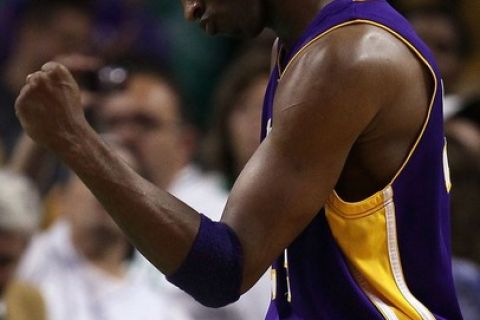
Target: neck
{"type": "Point", "coordinates": [290, 18]}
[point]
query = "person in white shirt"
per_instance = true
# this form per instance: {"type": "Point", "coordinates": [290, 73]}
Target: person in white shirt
{"type": "Point", "coordinates": [19, 216]}
{"type": "Point", "coordinates": [149, 118]}
{"type": "Point", "coordinates": [82, 264]}
{"type": "Point", "coordinates": [446, 35]}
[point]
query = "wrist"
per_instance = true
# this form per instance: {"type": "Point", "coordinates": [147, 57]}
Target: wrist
{"type": "Point", "coordinates": [74, 143]}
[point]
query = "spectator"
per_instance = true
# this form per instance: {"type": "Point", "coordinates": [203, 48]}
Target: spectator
{"type": "Point", "coordinates": [19, 216]}
{"type": "Point", "coordinates": [235, 132]}
{"type": "Point", "coordinates": [82, 264]}
{"type": "Point", "coordinates": [471, 111]}
{"type": "Point", "coordinates": [2, 152]}
{"type": "Point", "coordinates": [129, 27]}
{"type": "Point", "coordinates": [444, 33]}
{"type": "Point", "coordinates": [149, 117]}
{"type": "Point", "coordinates": [151, 120]}
{"type": "Point", "coordinates": [44, 30]}
{"type": "Point", "coordinates": [464, 155]}
{"type": "Point", "coordinates": [467, 283]}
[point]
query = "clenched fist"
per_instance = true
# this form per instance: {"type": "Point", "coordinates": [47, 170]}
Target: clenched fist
{"type": "Point", "coordinates": [49, 107]}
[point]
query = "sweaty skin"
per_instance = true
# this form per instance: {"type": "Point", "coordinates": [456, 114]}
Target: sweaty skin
{"type": "Point", "coordinates": [346, 113]}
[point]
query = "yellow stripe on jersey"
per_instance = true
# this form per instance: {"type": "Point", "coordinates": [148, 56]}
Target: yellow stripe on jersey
{"type": "Point", "coordinates": [366, 233]}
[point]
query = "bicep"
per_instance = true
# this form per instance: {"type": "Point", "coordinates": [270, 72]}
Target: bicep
{"type": "Point", "coordinates": [288, 179]}
{"type": "Point", "coordinates": [271, 203]}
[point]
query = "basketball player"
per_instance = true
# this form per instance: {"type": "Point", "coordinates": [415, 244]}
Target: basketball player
{"type": "Point", "coordinates": [349, 186]}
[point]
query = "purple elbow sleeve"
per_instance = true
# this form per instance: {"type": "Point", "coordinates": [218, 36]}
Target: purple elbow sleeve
{"type": "Point", "coordinates": [212, 271]}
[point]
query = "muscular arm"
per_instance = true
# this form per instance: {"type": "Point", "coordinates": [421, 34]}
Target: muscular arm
{"type": "Point", "coordinates": [323, 104]}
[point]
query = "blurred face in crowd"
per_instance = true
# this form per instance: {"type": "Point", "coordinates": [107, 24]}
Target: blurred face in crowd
{"type": "Point", "coordinates": [235, 17]}
{"type": "Point", "coordinates": [90, 223]}
{"type": "Point", "coordinates": [147, 119]}
{"type": "Point", "coordinates": [2, 150]}
{"type": "Point", "coordinates": [244, 121]}
{"type": "Point", "coordinates": [93, 230]}
{"type": "Point", "coordinates": [69, 31]}
{"type": "Point", "coordinates": [12, 246]}
{"type": "Point", "coordinates": [441, 36]}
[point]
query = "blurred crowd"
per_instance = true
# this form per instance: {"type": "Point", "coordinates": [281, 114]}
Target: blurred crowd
{"type": "Point", "coordinates": [183, 110]}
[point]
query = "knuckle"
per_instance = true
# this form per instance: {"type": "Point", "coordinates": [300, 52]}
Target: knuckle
{"type": "Point", "coordinates": [51, 67]}
{"type": "Point", "coordinates": [59, 69]}
{"type": "Point", "coordinates": [43, 77]}
{"type": "Point", "coordinates": [33, 84]}
{"type": "Point", "coordinates": [38, 80]}
{"type": "Point", "coordinates": [34, 78]}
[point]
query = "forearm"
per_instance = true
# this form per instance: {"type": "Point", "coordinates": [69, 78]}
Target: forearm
{"type": "Point", "coordinates": [163, 228]}
{"type": "Point", "coordinates": [159, 225]}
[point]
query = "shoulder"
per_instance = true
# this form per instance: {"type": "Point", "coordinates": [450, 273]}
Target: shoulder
{"type": "Point", "coordinates": [357, 49]}
{"type": "Point", "coordinates": [356, 59]}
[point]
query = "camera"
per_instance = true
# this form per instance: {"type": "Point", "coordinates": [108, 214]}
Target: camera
{"type": "Point", "coordinates": [107, 78]}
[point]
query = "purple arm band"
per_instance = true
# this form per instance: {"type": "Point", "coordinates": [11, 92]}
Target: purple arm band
{"type": "Point", "coordinates": [212, 271]}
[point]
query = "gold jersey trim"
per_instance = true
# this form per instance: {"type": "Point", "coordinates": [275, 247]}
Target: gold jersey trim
{"type": "Point", "coordinates": [370, 244]}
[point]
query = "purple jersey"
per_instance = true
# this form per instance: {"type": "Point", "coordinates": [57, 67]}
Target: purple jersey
{"type": "Point", "coordinates": [387, 256]}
